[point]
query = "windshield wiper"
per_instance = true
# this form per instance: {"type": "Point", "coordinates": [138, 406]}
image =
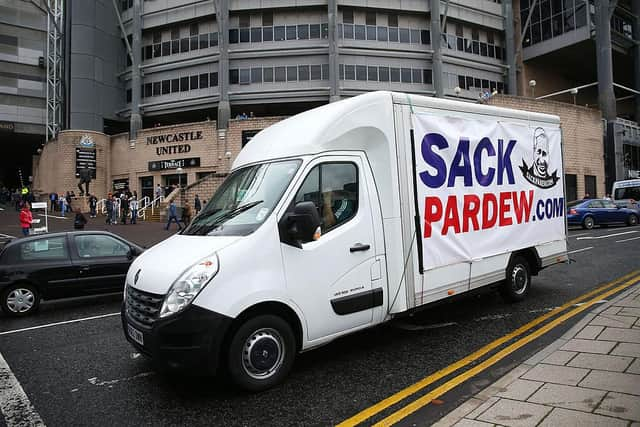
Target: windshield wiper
{"type": "Point", "coordinates": [236, 211]}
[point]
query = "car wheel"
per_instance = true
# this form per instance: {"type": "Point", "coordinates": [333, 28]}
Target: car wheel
{"type": "Point", "coordinates": [588, 223]}
{"type": "Point", "coordinates": [261, 353]}
{"type": "Point", "coordinates": [518, 281]}
{"type": "Point", "coordinates": [21, 299]}
{"type": "Point", "coordinates": [632, 220]}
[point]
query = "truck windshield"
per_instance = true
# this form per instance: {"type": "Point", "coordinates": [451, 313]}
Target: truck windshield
{"type": "Point", "coordinates": [244, 200]}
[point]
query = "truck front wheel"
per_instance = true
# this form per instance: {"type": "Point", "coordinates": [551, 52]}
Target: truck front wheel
{"type": "Point", "coordinates": [518, 281]}
{"type": "Point", "coordinates": [261, 353]}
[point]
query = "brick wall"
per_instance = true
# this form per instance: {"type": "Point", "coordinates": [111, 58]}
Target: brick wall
{"type": "Point", "coordinates": [582, 136]}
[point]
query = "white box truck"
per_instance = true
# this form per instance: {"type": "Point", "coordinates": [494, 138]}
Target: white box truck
{"type": "Point", "coordinates": [343, 217]}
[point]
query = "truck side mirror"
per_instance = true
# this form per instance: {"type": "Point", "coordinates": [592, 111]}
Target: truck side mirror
{"type": "Point", "coordinates": [299, 226]}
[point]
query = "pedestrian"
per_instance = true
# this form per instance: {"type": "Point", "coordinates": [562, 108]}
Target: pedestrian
{"type": "Point", "coordinates": [109, 206]}
{"type": "Point", "coordinates": [79, 221]}
{"type": "Point", "coordinates": [53, 197]}
{"type": "Point", "coordinates": [93, 204]}
{"type": "Point", "coordinates": [158, 195]}
{"type": "Point", "coordinates": [186, 214]}
{"type": "Point", "coordinates": [64, 206]}
{"type": "Point", "coordinates": [607, 196]}
{"type": "Point", "coordinates": [587, 196]}
{"type": "Point", "coordinates": [197, 205]}
{"type": "Point", "coordinates": [173, 216]}
{"type": "Point", "coordinates": [26, 219]}
{"type": "Point", "coordinates": [116, 210]}
{"type": "Point", "coordinates": [133, 205]}
{"type": "Point", "coordinates": [68, 198]}
{"type": "Point", "coordinates": [124, 205]}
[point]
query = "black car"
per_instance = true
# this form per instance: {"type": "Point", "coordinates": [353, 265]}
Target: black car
{"type": "Point", "coordinates": [60, 265]}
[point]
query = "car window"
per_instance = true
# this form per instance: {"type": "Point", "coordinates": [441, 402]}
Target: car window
{"type": "Point", "coordinates": [333, 188]}
{"type": "Point", "coordinates": [596, 204]}
{"type": "Point", "coordinates": [609, 204]}
{"type": "Point", "coordinates": [97, 246]}
{"type": "Point", "coordinates": [51, 248]}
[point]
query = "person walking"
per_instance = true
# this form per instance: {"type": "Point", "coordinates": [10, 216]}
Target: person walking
{"type": "Point", "coordinates": [158, 195]}
{"type": "Point", "coordinates": [173, 216]}
{"type": "Point", "coordinates": [197, 205]}
{"type": "Point", "coordinates": [80, 221]}
{"type": "Point", "coordinates": [115, 211]}
{"type": "Point", "coordinates": [53, 197]}
{"type": "Point", "coordinates": [68, 199]}
{"type": "Point", "coordinates": [64, 205]}
{"type": "Point", "coordinates": [93, 204]}
{"type": "Point", "coordinates": [186, 214]}
{"type": "Point", "coordinates": [124, 205]}
{"type": "Point", "coordinates": [26, 219]}
{"type": "Point", "coordinates": [109, 206]}
{"type": "Point", "coordinates": [133, 205]}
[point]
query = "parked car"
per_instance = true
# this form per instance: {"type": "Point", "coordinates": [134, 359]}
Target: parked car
{"type": "Point", "coordinates": [591, 212]}
{"type": "Point", "coordinates": [60, 265]}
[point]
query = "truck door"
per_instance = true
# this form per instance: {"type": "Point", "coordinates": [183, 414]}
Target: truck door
{"type": "Point", "coordinates": [330, 278]}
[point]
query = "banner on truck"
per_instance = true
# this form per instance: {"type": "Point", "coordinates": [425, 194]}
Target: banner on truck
{"type": "Point", "coordinates": [486, 187]}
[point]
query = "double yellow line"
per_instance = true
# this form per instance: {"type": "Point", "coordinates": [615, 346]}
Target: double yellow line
{"type": "Point", "coordinates": [596, 295]}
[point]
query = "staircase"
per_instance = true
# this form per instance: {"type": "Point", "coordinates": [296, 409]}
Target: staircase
{"type": "Point", "coordinates": [155, 217]}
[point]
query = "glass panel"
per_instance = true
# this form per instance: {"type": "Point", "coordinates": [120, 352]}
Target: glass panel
{"type": "Point", "coordinates": [99, 246]}
{"type": "Point", "coordinates": [292, 32]}
{"type": "Point", "coordinates": [349, 72]}
{"type": "Point", "coordinates": [166, 87]}
{"type": "Point", "coordinates": [194, 82]}
{"type": "Point", "coordinates": [166, 49]}
{"type": "Point", "coordinates": [245, 35]}
{"type": "Point", "coordinates": [372, 74]}
{"type": "Point", "coordinates": [156, 88]}
{"type": "Point", "coordinates": [416, 75]}
{"type": "Point", "coordinates": [213, 79]}
{"type": "Point", "coordinates": [406, 75]}
{"type": "Point", "coordinates": [316, 72]}
{"type": "Point", "coordinates": [303, 32]}
{"type": "Point", "coordinates": [184, 45]}
{"type": "Point", "coordinates": [483, 49]}
{"type": "Point", "coordinates": [383, 34]}
{"type": "Point", "coordinates": [268, 74]}
{"type": "Point", "coordinates": [404, 35]}
{"type": "Point", "coordinates": [395, 74]}
{"type": "Point", "coordinates": [204, 41]}
{"type": "Point", "coordinates": [256, 35]}
{"type": "Point", "coordinates": [341, 71]}
{"type": "Point", "coordinates": [234, 77]}
{"type": "Point", "coordinates": [359, 32]}
{"type": "Point", "coordinates": [292, 73]}
{"type": "Point", "coordinates": [383, 73]}
{"type": "Point", "coordinates": [415, 36]}
{"type": "Point", "coordinates": [42, 249]}
{"type": "Point", "coordinates": [193, 43]}
{"type": "Point", "coordinates": [267, 34]}
{"type": "Point", "coordinates": [425, 36]}
{"type": "Point", "coordinates": [281, 74]}
{"type": "Point", "coordinates": [348, 31]}
{"type": "Point", "coordinates": [279, 33]}
{"type": "Point", "coordinates": [361, 72]}
{"type": "Point", "coordinates": [325, 30]}
{"type": "Point", "coordinates": [314, 31]}
{"type": "Point", "coordinates": [184, 83]}
{"type": "Point", "coordinates": [256, 75]}
{"type": "Point", "coordinates": [303, 72]}
{"type": "Point", "coordinates": [371, 33]}
{"type": "Point", "coordinates": [175, 47]}
{"type": "Point", "coordinates": [213, 39]}
{"type": "Point", "coordinates": [175, 85]}
{"type": "Point", "coordinates": [245, 76]}
{"type": "Point", "coordinates": [325, 71]}
{"type": "Point", "coordinates": [393, 34]}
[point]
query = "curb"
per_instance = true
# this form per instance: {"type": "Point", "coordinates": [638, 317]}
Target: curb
{"type": "Point", "coordinates": [485, 398]}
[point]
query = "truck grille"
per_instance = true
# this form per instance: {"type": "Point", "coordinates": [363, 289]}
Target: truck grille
{"type": "Point", "coordinates": [143, 307]}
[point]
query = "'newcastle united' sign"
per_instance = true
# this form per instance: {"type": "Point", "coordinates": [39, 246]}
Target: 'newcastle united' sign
{"type": "Point", "coordinates": [159, 165]}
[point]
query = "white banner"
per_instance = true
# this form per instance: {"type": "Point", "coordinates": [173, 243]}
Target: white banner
{"type": "Point", "coordinates": [486, 187]}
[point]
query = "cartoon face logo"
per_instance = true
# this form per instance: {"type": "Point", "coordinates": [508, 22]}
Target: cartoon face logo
{"type": "Point", "coordinates": [540, 154]}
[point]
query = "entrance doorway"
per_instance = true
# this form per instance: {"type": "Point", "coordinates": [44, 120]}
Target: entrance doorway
{"type": "Point", "coordinates": [146, 187]}
{"type": "Point", "coordinates": [169, 181]}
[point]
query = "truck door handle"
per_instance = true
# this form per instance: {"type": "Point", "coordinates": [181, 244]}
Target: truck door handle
{"type": "Point", "coordinates": [358, 247]}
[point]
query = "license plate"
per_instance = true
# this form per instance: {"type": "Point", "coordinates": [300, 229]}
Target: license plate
{"type": "Point", "coordinates": [135, 335]}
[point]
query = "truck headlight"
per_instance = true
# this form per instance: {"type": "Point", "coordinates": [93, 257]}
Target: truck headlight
{"type": "Point", "coordinates": [189, 285]}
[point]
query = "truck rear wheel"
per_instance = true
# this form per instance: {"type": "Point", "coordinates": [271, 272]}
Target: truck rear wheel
{"type": "Point", "coordinates": [518, 281]}
{"type": "Point", "coordinates": [261, 353]}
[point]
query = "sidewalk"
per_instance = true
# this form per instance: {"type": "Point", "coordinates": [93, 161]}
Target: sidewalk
{"type": "Point", "coordinates": [588, 377]}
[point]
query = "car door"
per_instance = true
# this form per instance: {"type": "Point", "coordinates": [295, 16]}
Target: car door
{"type": "Point", "coordinates": [330, 278]}
{"type": "Point", "coordinates": [614, 213]}
{"type": "Point", "coordinates": [101, 262]}
{"type": "Point", "coordinates": [46, 262]}
{"type": "Point", "coordinates": [596, 208]}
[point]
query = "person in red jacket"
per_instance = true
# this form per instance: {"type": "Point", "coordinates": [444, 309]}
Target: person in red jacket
{"type": "Point", "coordinates": [25, 219]}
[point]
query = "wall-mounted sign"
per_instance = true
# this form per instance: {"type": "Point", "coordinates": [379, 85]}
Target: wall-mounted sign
{"type": "Point", "coordinates": [7, 126]}
{"type": "Point", "coordinates": [172, 138]}
{"type": "Point", "coordinates": [86, 158]}
{"type": "Point", "coordinates": [120, 184]}
{"type": "Point", "coordinates": [159, 165]}
{"type": "Point", "coordinates": [86, 141]}
{"type": "Point", "coordinates": [247, 135]}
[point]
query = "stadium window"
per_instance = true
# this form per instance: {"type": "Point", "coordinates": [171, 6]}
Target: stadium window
{"type": "Point", "coordinates": [204, 41]}
{"type": "Point", "coordinates": [393, 19]}
{"type": "Point", "coordinates": [425, 36]}
{"type": "Point", "coordinates": [234, 77]}
{"type": "Point", "coordinates": [157, 37]}
{"type": "Point", "coordinates": [278, 33]}
{"type": "Point", "coordinates": [383, 34]}
{"type": "Point", "coordinates": [213, 79]}
{"type": "Point", "coordinates": [166, 87]}
{"type": "Point", "coordinates": [292, 73]}
{"type": "Point", "coordinates": [245, 76]}
{"type": "Point", "coordinates": [324, 28]}
{"type": "Point", "coordinates": [427, 77]}
{"type": "Point", "coordinates": [416, 76]}
{"type": "Point", "coordinates": [395, 74]}
{"type": "Point", "coordinates": [128, 96]}
{"type": "Point", "coordinates": [256, 75]}
{"type": "Point", "coordinates": [233, 35]}
{"type": "Point", "coordinates": [204, 81]}
{"type": "Point", "coordinates": [393, 34]}
{"type": "Point", "coordinates": [303, 72]}
{"type": "Point", "coordinates": [157, 50]}
{"type": "Point", "coordinates": [175, 85]}
{"type": "Point", "coordinates": [244, 21]}
{"type": "Point", "coordinates": [184, 45]}
{"type": "Point", "coordinates": [316, 72]}
{"type": "Point", "coordinates": [404, 35]}
{"type": "Point", "coordinates": [414, 36]}
{"type": "Point", "coordinates": [194, 82]}
{"type": "Point", "coordinates": [193, 29]}
{"type": "Point", "coordinates": [462, 83]}
{"type": "Point", "coordinates": [267, 19]}
{"type": "Point", "coordinates": [166, 49]}
{"type": "Point", "coordinates": [370, 18]}
{"type": "Point", "coordinates": [267, 34]}
{"type": "Point", "coordinates": [303, 32]}
{"type": "Point", "coordinates": [245, 35]}
{"type": "Point", "coordinates": [193, 43]}
{"type": "Point", "coordinates": [148, 90]}
{"type": "Point", "coordinates": [280, 74]}
{"type": "Point", "coordinates": [267, 74]}
{"type": "Point", "coordinates": [156, 88]}
{"type": "Point", "coordinates": [349, 72]}
{"type": "Point", "coordinates": [175, 33]}
{"type": "Point", "coordinates": [213, 39]}
{"type": "Point", "coordinates": [184, 84]}
{"type": "Point", "coordinates": [341, 71]}
{"type": "Point", "coordinates": [383, 74]}
{"type": "Point", "coordinates": [314, 31]}
{"type": "Point", "coordinates": [371, 33]}
{"type": "Point", "coordinates": [348, 31]}
{"type": "Point", "coordinates": [256, 35]}
{"type": "Point", "coordinates": [360, 33]}
{"type": "Point", "coordinates": [372, 74]}
{"type": "Point", "coordinates": [405, 74]}
{"type": "Point", "coordinates": [347, 16]}
{"type": "Point", "coordinates": [175, 47]}
{"type": "Point", "coordinates": [292, 32]}
{"type": "Point", "coordinates": [325, 71]}
{"type": "Point", "coordinates": [361, 72]}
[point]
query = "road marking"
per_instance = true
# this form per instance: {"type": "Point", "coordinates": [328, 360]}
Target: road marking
{"type": "Point", "coordinates": [628, 240]}
{"type": "Point", "coordinates": [8, 235]}
{"type": "Point", "coordinates": [439, 391]}
{"type": "Point", "coordinates": [580, 250]}
{"type": "Point", "coordinates": [110, 383]}
{"type": "Point", "coordinates": [408, 391]}
{"type": "Point", "coordinates": [605, 236]}
{"type": "Point", "coordinates": [14, 403]}
{"type": "Point", "coordinates": [48, 325]}
{"type": "Point", "coordinates": [578, 235]}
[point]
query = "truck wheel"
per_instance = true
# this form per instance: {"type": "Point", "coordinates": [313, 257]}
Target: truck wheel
{"type": "Point", "coordinates": [518, 281]}
{"type": "Point", "coordinates": [21, 299]}
{"type": "Point", "coordinates": [632, 220]}
{"type": "Point", "coordinates": [588, 223]}
{"type": "Point", "coordinates": [261, 353]}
